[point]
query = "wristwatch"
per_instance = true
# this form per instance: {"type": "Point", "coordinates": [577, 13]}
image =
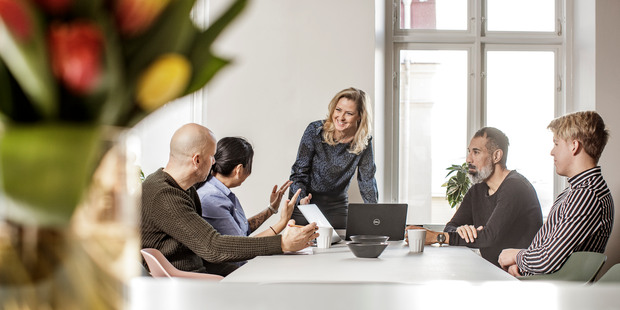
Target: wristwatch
{"type": "Point", "coordinates": [441, 238]}
{"type": "Point", "coordinates": [272, 209]}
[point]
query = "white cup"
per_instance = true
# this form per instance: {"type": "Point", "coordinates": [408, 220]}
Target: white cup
{"type": "Point", "coordinates": [416, 240]}
{"type": "Point", "coordinates": [324, 240]}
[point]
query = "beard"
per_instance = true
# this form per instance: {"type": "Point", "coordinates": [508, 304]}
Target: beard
{"type": "Point", "coordinates": [480, 175]}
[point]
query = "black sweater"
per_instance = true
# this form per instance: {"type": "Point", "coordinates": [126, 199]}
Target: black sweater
{"type": "Point", "coordinates": [511, 216]}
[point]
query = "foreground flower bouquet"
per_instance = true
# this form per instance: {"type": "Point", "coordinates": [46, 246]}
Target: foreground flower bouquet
{"type": "Point", "coordinates": [73, 76]}
{"type": "Point", "coordinates": [46, 263]}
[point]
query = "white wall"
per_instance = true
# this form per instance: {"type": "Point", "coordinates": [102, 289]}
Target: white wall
{"type": "Point", "coordinates": [597, 76]}
{"type": "Point", "coordinates": [290, 59]}
{"type": "Point", "coordinates": [156, 130]}
{"type": "Point", "coordinates": [584, 49]}
{"type": "Point", "coordinates": [607, 103]}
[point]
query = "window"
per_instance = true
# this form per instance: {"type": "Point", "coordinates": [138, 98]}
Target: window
{"type": "Point", "coordinates": [460, 65]}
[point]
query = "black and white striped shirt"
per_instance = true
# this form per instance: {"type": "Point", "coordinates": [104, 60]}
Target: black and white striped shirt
{"type": "Point", "coordinates": [580, 220]}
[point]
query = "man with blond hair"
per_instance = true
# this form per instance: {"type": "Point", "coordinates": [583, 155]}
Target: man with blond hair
{"type": "Point", "coordinates": [583, 214]}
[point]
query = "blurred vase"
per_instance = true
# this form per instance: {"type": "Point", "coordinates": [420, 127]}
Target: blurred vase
{"type": "Point", "coordinates": [69, 199]}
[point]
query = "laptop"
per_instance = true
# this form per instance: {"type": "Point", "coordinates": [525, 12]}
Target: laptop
{"type": "Point", "coordinates": [385, 219]}
{"type": "Point", "coordinates": [312, 213]}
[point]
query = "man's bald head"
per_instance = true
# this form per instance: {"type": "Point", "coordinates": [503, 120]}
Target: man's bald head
{"type": "Point", "coordinates": [190, 139]}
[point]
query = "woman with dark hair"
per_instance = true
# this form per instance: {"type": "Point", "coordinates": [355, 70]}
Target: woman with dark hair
{"type": "Point", "coordinates": [330, 152]}
{"type": "Point", "coordinates": [220, 206]}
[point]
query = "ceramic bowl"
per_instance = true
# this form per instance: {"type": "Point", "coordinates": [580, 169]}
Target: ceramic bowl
{"type": "Point", "coordinates": [369, 238]}
{"type": "Point", "coordinates": [367, 249]}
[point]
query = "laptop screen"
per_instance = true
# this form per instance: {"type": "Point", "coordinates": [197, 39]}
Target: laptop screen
{"type": "Point", "coordinates": [385, 219]}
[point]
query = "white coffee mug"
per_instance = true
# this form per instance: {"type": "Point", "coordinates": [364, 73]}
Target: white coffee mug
{"type": "Point", "coordinates": [416, 237]}
{"type": "Point", "coordinates": [324, 240]}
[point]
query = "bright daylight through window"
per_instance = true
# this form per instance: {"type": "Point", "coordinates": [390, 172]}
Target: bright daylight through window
{"type": "Point", "coordinates": [461, 65]}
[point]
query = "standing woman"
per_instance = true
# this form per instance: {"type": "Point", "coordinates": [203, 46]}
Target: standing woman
{"type": "Point", "coordinates": [330, 152]}
{"type": "Point", "coordinates": [220, 206]}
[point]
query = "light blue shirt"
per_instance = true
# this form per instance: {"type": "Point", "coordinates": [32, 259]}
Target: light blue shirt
{"type": "Point", "coordinates": [221, 208]}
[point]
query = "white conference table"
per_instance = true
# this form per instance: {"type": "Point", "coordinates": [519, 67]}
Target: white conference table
{"type": "Point", "coordinates": [192, 294]}
{"type": "Point", "coordinates": [395, 265]}
{"type": "Point", "coordinates": [438, 278]}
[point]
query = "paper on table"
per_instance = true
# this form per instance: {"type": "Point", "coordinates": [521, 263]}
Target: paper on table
{"type": "Point", "coordinates": [306, 251]}
{"type": "Point", "coordinates": [312, 213]}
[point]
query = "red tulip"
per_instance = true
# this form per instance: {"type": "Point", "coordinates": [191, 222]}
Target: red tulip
{"type": "Point", "coordinates": [16, 17]}
{"type": "Point", "coordinates": [135, 16]}
{"type": "Point", "coordinates": [76, 51]}
{"type": "Point", "coordinates": [54, 6]}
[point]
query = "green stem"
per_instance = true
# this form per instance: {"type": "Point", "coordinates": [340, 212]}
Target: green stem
{"type": "Point", "coordinates": [44, 170]}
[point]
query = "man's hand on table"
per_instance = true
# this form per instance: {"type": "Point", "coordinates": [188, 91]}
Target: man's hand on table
{"type": "Point", "coordinates": [431, 236]}
{"type": "Point", "coordinates": [296, 238]}
{"type": "Point", "coordinates": [514, 271]}
{"type": "Point", "coordinates": [468, 232]}
{"type": "Point", "coordinates": [508, 260]}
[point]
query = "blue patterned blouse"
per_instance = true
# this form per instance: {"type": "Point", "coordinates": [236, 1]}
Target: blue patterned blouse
{"type": "Point", "coordinates": [323, 168]}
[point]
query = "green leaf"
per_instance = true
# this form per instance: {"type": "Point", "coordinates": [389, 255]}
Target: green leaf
{"type": "Point", "coordinates": [14, 105]}
{"type": "Point", "coordinates": [202, 75]}
{"type": "Point", "coordinates": [45, 168]}
{"type": "Point", "coordinates": [117, 100]}
{"type": "Point", "coordinates": [207, 37]}
{"type": "Point", "coordinates": [29, 64]}
{"type": "Point", "coordinates": [458, 184]}
{"type": "Point", "coordinates": [172, 32]}
{"type": "Point", "coordinates": [6, 100]}
{"type": "Point", "coordinates": [199, 55]}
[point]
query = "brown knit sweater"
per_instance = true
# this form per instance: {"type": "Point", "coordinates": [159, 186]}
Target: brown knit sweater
{"type": "Point", "coordinates": [171, 223]}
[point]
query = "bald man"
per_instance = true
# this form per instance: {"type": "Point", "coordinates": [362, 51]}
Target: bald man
{"type": "Point", "coordinates": [171, 213]}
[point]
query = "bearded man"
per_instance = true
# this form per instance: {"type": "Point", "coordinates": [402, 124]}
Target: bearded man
{"type": "Point", "coordinates": [500, 210]}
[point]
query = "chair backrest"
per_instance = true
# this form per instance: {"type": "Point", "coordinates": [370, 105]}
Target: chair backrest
{"type": "Point", "coordinates": [579, 267]}
{"type": "Point", "coordinates": [612, 275]}
{"type": "Point", "coordinates": [161, 267]}
{"type": "Point", "coordinates": [154, 259]}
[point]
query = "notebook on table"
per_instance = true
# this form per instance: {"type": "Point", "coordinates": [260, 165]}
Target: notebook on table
{"type": "Point", "coordinates": [385, 219]}
{"type": "Point", "coordinates": [312, 214]}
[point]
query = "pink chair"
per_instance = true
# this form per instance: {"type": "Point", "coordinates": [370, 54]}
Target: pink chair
{"type": "Point", "coordinates": [161, 267]}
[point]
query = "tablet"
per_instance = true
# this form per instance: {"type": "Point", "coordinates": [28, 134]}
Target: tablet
{"type": "Point", "coordinates": [312, 214]}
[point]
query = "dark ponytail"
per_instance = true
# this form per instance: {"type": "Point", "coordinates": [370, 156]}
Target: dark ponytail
{"type": "Point", "coordinates": [232, 151]}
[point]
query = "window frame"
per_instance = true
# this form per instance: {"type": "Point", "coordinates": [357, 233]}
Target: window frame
{"type": "Point", "coordinates": [477, 41]}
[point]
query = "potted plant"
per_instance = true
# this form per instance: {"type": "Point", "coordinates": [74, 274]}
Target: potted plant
{"type": "Point", "coordinates": [457, 185]}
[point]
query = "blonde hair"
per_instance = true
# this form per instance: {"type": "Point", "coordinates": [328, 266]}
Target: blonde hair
{"type": "Point", "coordinates": [362, 135]}
{"type": "Point", "coordinates": [587, 127]}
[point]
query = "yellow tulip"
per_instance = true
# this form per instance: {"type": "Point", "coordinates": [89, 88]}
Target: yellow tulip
{"type": "Point", "coordinates": [164, 80]}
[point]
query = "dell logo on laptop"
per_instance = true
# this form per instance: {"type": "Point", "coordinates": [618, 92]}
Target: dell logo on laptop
{"type": "Point", "coordinates": [376, 222]}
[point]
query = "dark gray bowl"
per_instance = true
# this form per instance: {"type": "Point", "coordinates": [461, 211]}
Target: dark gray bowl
{"type": "Point", "coordinates": [369, 238]}
{"type": "Point", "coordinates": [367, 250]}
